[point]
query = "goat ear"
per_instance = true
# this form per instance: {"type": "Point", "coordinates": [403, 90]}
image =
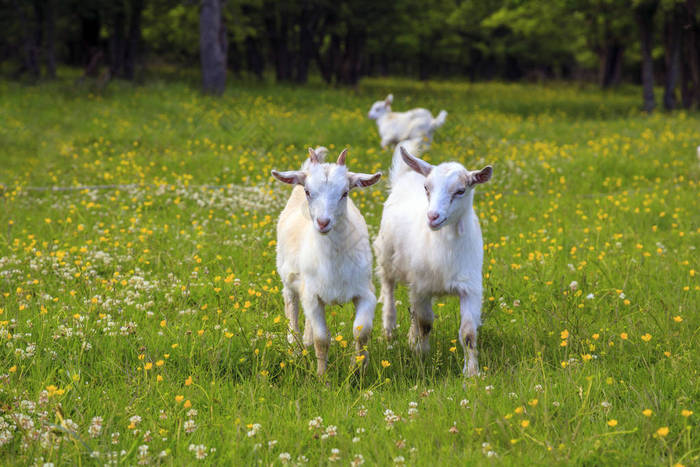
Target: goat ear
{"type": "Point", "coordinates": [389, 99]}
{"type": "Point", "coordinates": [341, 157]}
{"type": "Point", "coordinates": [363, 180]}
{"type": "Point", "coordinates": [416, 164]}
{"type": "Point", "coordinates": [482, 176]}
{"type": "Point", "coordinates": [292, 177]}
{"type": "Point", "coordinates": [313, 157]}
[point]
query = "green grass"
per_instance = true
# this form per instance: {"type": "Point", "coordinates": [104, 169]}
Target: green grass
{"type": "Point", "coordinates": [178, 272]}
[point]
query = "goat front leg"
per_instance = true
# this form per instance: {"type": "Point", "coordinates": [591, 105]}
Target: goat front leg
{"type": "Point", "coordinates": [362, 327]}
{"type": "Point", "coordinates": [421, 324]}
{"type": "Point", "coordinates": [470, 311]}
{"type": "Point", "coordinates": [315, 312]}
{"type": "Point", "coordinates": [291, 311]}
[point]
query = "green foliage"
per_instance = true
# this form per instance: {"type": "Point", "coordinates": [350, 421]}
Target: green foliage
{"type": "Point", "coordinates": [172, 31]}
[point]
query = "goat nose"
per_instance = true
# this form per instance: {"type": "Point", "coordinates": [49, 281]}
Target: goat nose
{"type": "Point", "coordinates": [323, 222]}
{"type": "Point", "coordinates": [432, 215]}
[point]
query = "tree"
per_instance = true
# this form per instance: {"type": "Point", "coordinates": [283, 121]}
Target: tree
{"type": "Point", "coordinates": [124, 18]}
{"type": "Point", "coordinates": [213, 46]}
{"type": "Point", "coordinates": [644, 14]}
{"type": "Point", "coordinates": [673, 36]}
{"type": "Point", "coordinates": [690, 76]}
{"type": "Point", "coordinates": [50, 37]}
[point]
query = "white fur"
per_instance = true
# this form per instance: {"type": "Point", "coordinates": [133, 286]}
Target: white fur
{"type": "Point", "coordinates": [323, 252]}
{"type": "Point", "coordinates": [395, 127]}
{"type": "Point", "coordinates": [440, 254]}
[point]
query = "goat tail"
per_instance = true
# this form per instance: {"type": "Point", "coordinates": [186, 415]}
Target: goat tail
{"type": "Point", "coordinates": [439, 120]}
{"type": "Point", "coordinates": [321, 153]}
{"type": "Point", "coordinates": [398, 166]}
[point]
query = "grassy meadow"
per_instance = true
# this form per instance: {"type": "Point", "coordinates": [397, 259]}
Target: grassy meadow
{"type": "Point", "coordinates": [144, 324]}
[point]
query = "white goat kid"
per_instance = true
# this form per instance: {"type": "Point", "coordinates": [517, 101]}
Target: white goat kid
{"type": "Point", "coordinates": [395, 127]}
{"type": "Point", "coordinates": [323, 252]}
{"type": "Point", "coordinates": [431, 241]}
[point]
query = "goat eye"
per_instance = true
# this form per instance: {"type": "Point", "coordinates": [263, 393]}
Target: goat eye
{"type": "Point", "coordinates": [459, 192]}
{"type": "Point", "coordinates": [344, 195]}
{"type": "Point", "coordinates": [308, 195]}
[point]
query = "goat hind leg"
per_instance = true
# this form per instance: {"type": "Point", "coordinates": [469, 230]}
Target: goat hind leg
{"type": "Point", "coordinates": [388, 308]}
{"type": "Point", "coordinates": [421, 324]}
{"type": "Point", "coordinates": [470, 310]}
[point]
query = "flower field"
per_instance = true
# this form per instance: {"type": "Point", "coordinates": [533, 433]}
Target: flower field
{"type": "Point", "coordinates": [142, 322]}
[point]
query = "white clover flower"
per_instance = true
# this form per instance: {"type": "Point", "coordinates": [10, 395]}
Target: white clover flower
{"type": "Point", "coordinates": [71, 425]}
{"type": "Point", "coordinates": [143, 454]}
{"type": "Point", "coordinates": [199, 450]}
{"type": "Point", "coordinates": [316, 423]}
{"type": "Point", "coordinates": [254, 429]}
{"type": "Point", "coordinates": [335, 455]}
{"type": "Point", "coordinates": [390, 418]}
{"type": "Point", "coordinates": [189, 426]}
{"type": "Point", "coordinates": [95, 427]}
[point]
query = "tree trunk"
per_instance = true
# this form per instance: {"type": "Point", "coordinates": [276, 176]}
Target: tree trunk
{"type": "Point", "coordinates": [90, 38]}
{"type": "Point", "coordinates": [213, 46]}
{"type": "Point", "coordinates": [50, 38]}
{"type": "Point", "coordinates": [349, 70]}
{"type": "Point", "coordinates": [645, 19]}
{"type": "Point", "coordinates": [134, 40]}
{"type": "Point", "coordinates": [610, 71]}
{"type": "Point", "coordinates": [690, 74]}
{"type": "Point", "coordinates": [254, 57]}
{"type": "Point", "coordinates": [424, 66]}
{"type": "Point", "coordinates": [117, 41]}
{"type": "Point", "coordinates": [30, 62]}
{"type": "Point", "coordinates": [328, 64]}
{"type": "Point", "coordinates": [307, 26]}
{"type": "Point", "coordinates": [277, 28]}
{"type": "Point", "coordinates": [673, 36]}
